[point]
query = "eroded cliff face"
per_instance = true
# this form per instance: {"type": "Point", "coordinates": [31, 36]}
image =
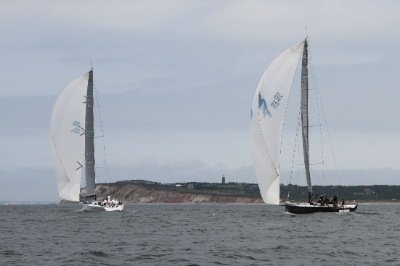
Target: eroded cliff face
{"type": "Point", "coordinates": [138, 193]}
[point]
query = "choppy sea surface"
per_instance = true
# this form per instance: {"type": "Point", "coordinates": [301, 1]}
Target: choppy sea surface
{"type": "Point", "coordinates": [202, 234]}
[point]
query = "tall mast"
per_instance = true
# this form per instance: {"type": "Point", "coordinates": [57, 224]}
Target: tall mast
{"type": "Point", "coordinates": [304, 116]}
{"type": "Point", "coordinates": [89, 140]}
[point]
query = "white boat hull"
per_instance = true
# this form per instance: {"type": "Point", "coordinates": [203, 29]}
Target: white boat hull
{"type": "Point", "coordinates": [99, 206]}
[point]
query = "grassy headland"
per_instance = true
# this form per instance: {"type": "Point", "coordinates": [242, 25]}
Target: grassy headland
{"type": "Point", "coordinates": [142, 191]}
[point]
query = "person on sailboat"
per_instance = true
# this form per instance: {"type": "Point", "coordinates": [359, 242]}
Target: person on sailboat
{"type": "Point", "coordinates": [321, 200]}
{"type": "Point", "coordinates": [113, 202]}
{"type": "Point", "coordinates": [108, 199]}
{"type": "Point", "coordinates": [335, 200]}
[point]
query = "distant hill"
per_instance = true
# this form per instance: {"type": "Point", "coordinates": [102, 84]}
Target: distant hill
{"type": "Point", "coordinates": [142, 191]}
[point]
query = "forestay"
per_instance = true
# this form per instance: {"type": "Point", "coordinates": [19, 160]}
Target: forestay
{"type": "Point", "coordinates": [267, 115]}
{"type": "Point", "coordinates": [67, 137]}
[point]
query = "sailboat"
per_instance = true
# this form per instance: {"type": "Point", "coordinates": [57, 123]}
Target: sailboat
{"type": "Point", "coordinates": [72, 138]}
{"type": "Point", "coordinates": [267, 117]}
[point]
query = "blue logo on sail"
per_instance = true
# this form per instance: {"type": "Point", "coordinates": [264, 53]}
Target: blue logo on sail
{"type": "Point", "coordinates": [277, 100]}
{"type": "Point", "coordinates": [76, 127]}
{"type": "Point", "coordinates": [262, 104]}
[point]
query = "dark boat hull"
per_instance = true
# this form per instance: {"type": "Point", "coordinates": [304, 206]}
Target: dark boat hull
{"type": "Point", "coordinates": [304, 208]}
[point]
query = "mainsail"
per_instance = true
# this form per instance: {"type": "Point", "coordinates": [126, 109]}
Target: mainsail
{"type": "Point", "coordinates": [267, 115]}
{"type": "Point", "coordinates": [68, 133]}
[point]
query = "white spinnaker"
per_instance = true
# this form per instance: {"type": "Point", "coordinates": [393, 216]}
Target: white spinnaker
{"type": "Point", "coordinates": [267, 115]}
{"type": "Point", "coordinates": [66, 129]}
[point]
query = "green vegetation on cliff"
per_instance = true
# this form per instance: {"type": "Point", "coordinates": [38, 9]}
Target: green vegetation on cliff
{"type": "Point", "coordinates": [147, 191]}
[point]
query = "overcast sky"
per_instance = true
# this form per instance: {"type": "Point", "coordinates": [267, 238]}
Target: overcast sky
{"type": "Point", "coordinates": [175, 82]}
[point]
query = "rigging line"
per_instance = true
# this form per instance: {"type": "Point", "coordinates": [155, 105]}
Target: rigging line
{"type": "Point", "coordinates": [284, 116]}
{"type": "Point", "coordinates": [317, 181]}
{"type": "Point", "coordinates": [300, 174]}
{"type": "Point", "coordinates": [260, 129]}
{"type": "Point", "coordinates": [318, 94]}
{"type": "Point", "coordinates": [316, 106]}
{"type": "Point", "coordinates": [107, 170]}
{"type": "Point", "coordinates": [318, 110]}
{"type": "Point", "coordinates": [316, 125]}
{"type": "Point", "coordinates": [295, 146]}
{"type": "Point", "coordinates": [317, 163]}
{"type": "Point", "coordinates": [283, 125]}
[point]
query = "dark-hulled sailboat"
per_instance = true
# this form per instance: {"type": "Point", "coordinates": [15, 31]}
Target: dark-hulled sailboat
{"type": "Point", "coordinates": [72, 137]}
{"type": "Point", "coordinates": [267, 117]}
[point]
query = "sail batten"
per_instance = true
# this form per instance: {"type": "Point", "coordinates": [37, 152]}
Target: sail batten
{"type": "Point", "coordinates": [267, 115]}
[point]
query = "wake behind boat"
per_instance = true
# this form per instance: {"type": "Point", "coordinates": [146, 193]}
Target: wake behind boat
{"type": "Point", "coordinates": [72, 137]}
{"type": "Point", "coordinates": [267, 117]}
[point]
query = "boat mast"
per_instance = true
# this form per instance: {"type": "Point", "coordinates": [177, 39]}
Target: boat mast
{"type": "Point", "coordinates": [304, 116]}
{"type": "Point", "coordinates": [89, 140]}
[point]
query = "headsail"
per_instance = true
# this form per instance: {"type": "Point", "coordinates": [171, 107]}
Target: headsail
{"type": "Point", "coordinates": [267, 115]}
{"type": "Point", "coordinates": [67, 137]}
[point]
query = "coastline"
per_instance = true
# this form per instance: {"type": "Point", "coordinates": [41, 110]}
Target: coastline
{"type": "Point", "coordinates": [142, 191]}
{"type": "Point", "coordinates": [147, 192]}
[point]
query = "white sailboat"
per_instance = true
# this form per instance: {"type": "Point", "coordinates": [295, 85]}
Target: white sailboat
{"type": "Point", "coordinates": [267, 117]}
{"type": "Point", "coordinates": [72, 138]}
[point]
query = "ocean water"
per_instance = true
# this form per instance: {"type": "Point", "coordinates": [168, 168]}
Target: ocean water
{"type": "Point", "coordinates": [202, 234]}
